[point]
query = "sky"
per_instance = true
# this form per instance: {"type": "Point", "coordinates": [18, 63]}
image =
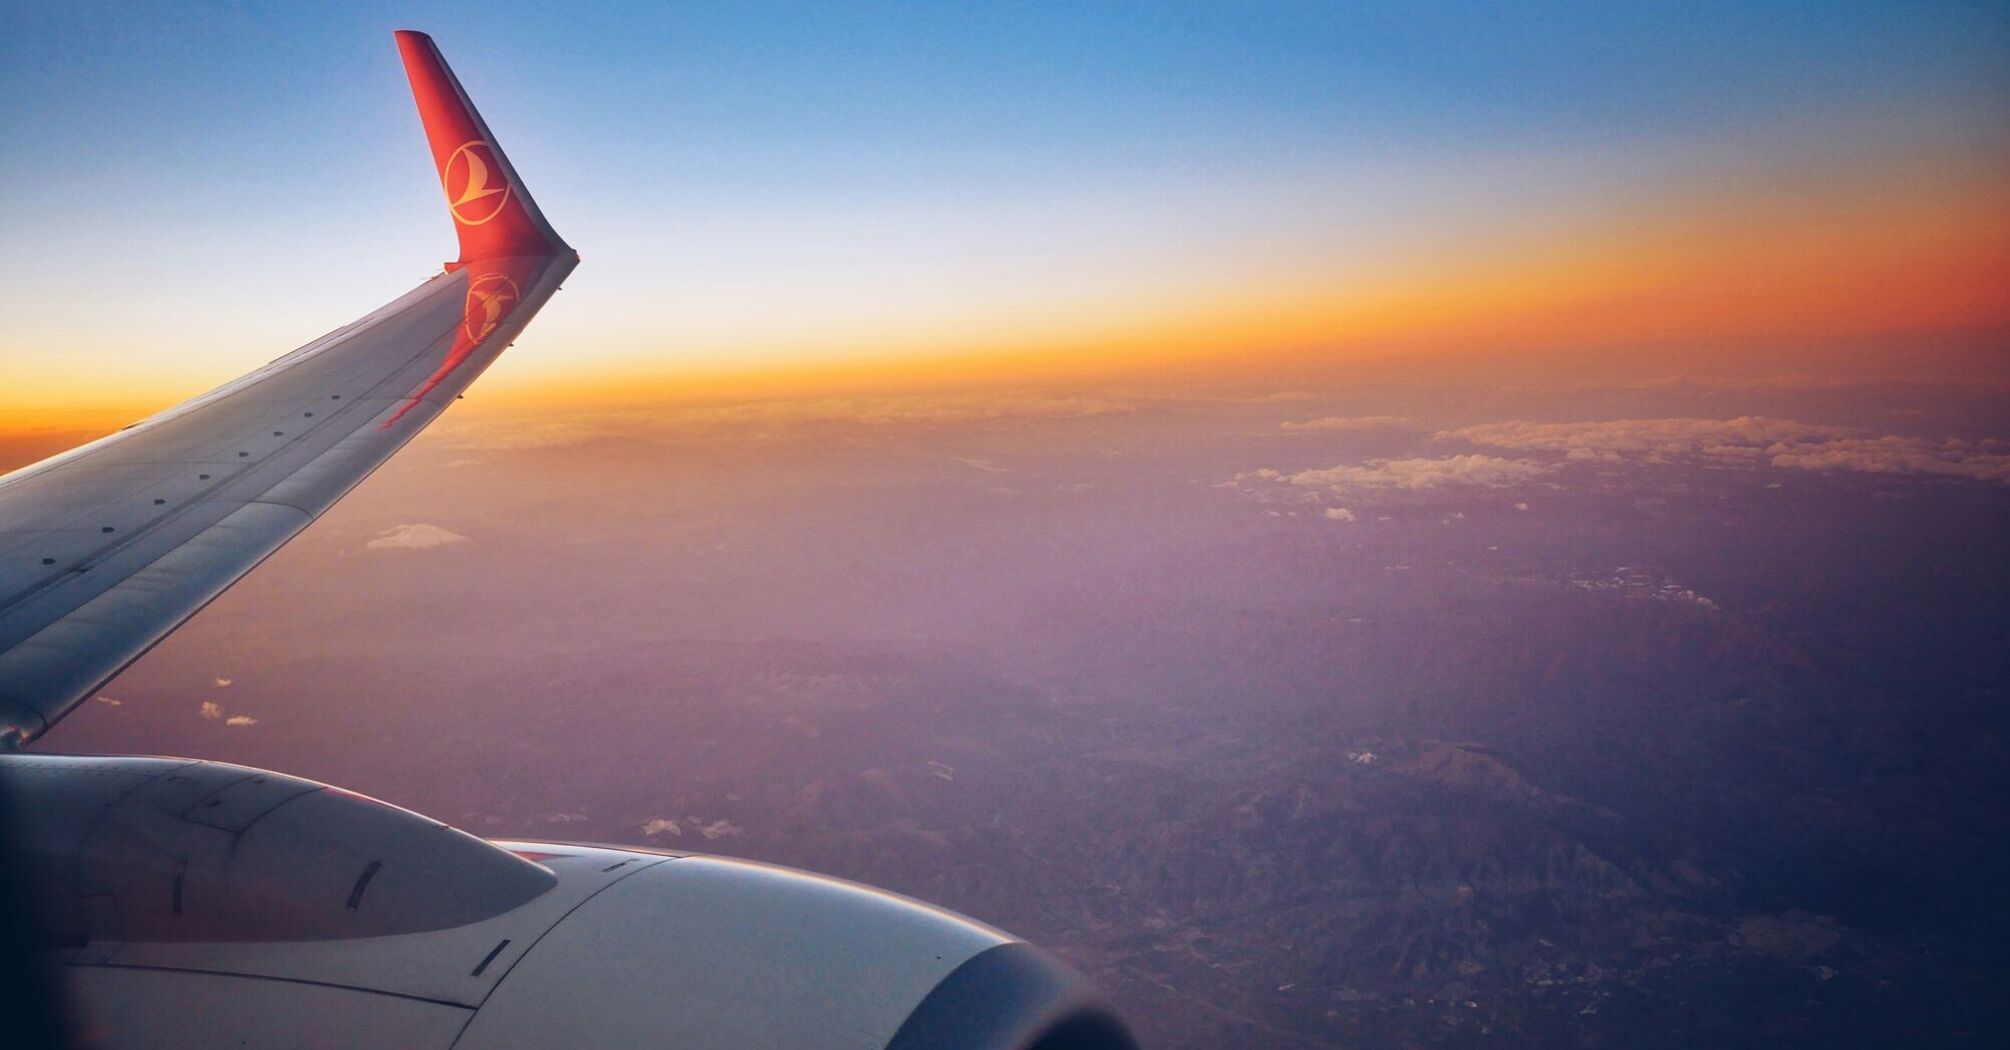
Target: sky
{"type": "Point", "coordinates": [805, 195]}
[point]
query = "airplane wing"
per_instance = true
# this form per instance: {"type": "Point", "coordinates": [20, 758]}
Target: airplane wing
{"type": "Point", "coordinates": [107, 548]}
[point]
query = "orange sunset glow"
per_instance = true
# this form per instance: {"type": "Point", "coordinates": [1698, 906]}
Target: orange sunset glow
{"type": "Point", "coordinates": [1744, 268]}
{"type": "Point", "coordinates": [1772, 233]}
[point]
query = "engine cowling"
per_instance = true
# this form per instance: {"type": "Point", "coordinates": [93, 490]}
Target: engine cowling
{"type": "Point", "coordinates": [201, 903]}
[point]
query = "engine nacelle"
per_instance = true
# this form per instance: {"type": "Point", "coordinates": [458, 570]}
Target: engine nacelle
{"type": "Point", "coordinates": [168, 849]}
{"type": "Point", "coordinates": [203, 904]}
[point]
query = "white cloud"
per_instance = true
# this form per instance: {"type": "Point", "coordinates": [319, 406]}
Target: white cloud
{"type": "Point", "coordinates": [1749, 439]}
{"type": "Point", "coordinates": [721, 829]}
{"type": "Point", "coordinates": [212, 709]}
{"type": "Point", "coordinates": [1339, 514]}
{"type": "Point", "coordinates": [240, 720]}
{"type": "Point", "coordinates": [414, 537]}
{"type": "Point", "coordinates": [1898, 455]}
{"type": "Point", "coordinates": [111, 702]}
{"type": "Point", "coordinates": [1611, 440]}
{"type": "Point", "coordinates": [1342, 423]}
{"type": "Point", "coordinates": [659, 826]}
{"type": "Point", "coordinates": [223, 683]}
{"type": "Point", "coordinates": [1416, 474]}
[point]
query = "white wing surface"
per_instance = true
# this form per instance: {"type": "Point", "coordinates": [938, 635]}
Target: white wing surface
{"type": "Point", "coordinates": [107, 548]}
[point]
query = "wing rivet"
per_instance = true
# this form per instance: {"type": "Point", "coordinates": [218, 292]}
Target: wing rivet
{"type": "Point", "coordinates": [158, 502]}
{"type": "Point", "coordinates": [334, 397]}
{"type": "Point", "coordinates": [241, 455]}
{"type": "Point", "coordinates": [310, 415]}
{"type": "Point", "coordinates": [48, 561]}
{"type": "Point", "coordinates": [279, 433]}
{"type": "Point", "coordinates": [106, 528]}
{"type": "Point", "coordinates": [202, 477]}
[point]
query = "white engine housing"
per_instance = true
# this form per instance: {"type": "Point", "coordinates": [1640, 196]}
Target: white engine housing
{"type": "Point", "coordinates": [206, 904]}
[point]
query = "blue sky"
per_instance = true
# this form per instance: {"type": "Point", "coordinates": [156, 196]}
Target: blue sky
{"type": "Point", "coordinates": [976, 160]}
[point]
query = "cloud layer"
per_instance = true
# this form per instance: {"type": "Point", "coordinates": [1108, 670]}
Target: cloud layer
{"type": "Point", "coordinates": [1745, 436]}
{"type": "Point", "coordinates": [1781, 443]}
{"type": "Point", "coordinates": [1344, 423]}
{"type": "Point", "coordinates": [1418, 474]}
{"type": "Point", "coordinates": [1891, 454]}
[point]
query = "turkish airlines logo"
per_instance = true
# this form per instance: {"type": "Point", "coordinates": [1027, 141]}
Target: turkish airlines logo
{"type": "Point", "coordinates": [475, 184]}
{"type": "Point", "coordinates": [490, 298]}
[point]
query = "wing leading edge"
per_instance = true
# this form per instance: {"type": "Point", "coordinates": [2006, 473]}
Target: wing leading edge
{"type": "Point", "coordinates": [107, 548]}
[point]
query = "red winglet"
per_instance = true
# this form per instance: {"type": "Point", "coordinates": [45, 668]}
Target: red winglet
{"type": "Point", "coordinates": [492, 213]}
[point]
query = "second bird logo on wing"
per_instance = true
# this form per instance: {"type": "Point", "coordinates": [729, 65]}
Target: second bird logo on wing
{"type": "Point", "coordinates": [490, 298]}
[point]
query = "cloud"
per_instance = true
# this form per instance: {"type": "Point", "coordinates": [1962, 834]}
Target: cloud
{"type": "Point", "coordinates": [1344, 423]}
{"type": "Point", "coordinates": [223, 683]}
{"type": "Point", "coordinates": [718, 829]}
{"type": "Point", "coordinates": [240, 720]}
{"type": "Point", "coordinates": [1339, 514]}
{"type": "Point", "coordinates": [414, 537]}
{"type": "Point", "coordinates": [721, 829]}
{"type": "Point", "coordinates": [1416, 474]}
{"type": "Point", "coordinates": [212, 709]}
{"type": "Point", "coordinates": [1898, 455]}
{"type": "Point", "coordinates": [1781, 443]}
{"type": "Point", "coordinates": [111, 702]}
{"type": "Point", "coordinates": [1611, 440]}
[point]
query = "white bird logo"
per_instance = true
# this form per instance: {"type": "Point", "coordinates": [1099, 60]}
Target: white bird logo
{"type": "Point", "coordinates": [477, 201]}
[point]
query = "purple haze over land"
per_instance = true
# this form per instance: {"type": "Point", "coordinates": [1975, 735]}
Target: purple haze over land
{"type": "Point", "coordinates": [1313, 715]}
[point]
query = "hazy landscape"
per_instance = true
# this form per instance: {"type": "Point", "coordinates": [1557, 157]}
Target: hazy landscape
{"type": "Point", "coordinates": [1330, 713]}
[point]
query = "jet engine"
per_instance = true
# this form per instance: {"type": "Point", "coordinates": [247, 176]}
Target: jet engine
{"type": "Point", "coordinates": [204, 904]}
